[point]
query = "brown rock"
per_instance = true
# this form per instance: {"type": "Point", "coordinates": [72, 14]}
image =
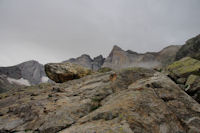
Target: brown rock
{"type": "Point", "coordinates": [62, 72]}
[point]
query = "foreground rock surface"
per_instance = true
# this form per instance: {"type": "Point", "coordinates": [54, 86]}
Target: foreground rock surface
{"type": "Point", "coordinates": [186, 73]}
{"type": "Point", "coordinates": [135, 101]}
{"type": "Point", "coordinates": [62, 72]}
{"type": "Point", "coordinates": [193, 87]}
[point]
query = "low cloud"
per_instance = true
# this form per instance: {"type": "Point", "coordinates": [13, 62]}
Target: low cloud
{"type": "Point", "coordinates": [53, 31]}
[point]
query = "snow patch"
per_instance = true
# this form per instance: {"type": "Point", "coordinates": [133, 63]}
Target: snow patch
{"type": "Point", "coordinates": [44, 79]}
{"type": "Point", "coordinates": [20, 81]}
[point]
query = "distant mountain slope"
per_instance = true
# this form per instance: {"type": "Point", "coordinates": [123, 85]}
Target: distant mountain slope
{"type": "Point", "coordinates": [7, 83]}
{"type": "Point", "coordinates": [32, 71]}
{"type": "Point", "coordinates": [118, 58]}
{"type": "Point", "coordinates": [168, 54]}
{"type": "Point", "coordinates": [191, 48]}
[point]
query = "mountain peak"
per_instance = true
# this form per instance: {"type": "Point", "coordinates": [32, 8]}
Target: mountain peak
{"type": "Point", "coordinates": [85, 56]}
{"type": "Point", "coordinates": [115, 47]}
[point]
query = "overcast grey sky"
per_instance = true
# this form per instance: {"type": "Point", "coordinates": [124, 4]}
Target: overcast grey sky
{"type": "Point", "coordinates": [56, 30]}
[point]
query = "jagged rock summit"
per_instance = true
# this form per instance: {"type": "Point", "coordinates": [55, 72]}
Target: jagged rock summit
{"type": "Point", "coordinates": [86, 61]}
{"type": "Point", "coordinates": [118, 58]}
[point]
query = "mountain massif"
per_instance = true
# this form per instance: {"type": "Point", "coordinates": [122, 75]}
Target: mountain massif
{"type": "Point", "coordinates": [25, 74]}
{"type": "Point", "coordinates": [119, 58]}
{"type": "Point", "coordinates": [130, 97]}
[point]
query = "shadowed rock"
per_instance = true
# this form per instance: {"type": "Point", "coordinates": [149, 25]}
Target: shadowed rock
{"type": "Point", "coordinates": [191, 48]}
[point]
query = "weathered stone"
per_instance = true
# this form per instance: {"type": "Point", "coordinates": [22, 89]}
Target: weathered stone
{"type": "Point", "coordinates": [142, 109]}
{"type": "Point", "coordinates": [138, 100]}
{"type": "Point", "coordinates": [185, 67]}
{"type": "Point", "coordinates": [181, 80]}
{"type": "Point", "coordinates": [62, 72]}
{"type": "Point", "coordinates": [193, 87]}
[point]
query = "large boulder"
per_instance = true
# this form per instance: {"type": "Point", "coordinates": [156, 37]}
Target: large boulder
{"type": "Point", "coordinates": [184, 67]}
{"type": "Point", "coordinates": [62, 72]}
{"type": "Point", "coordinates": [137, 101]}
{"type": "Point", "coordinates": [191, 48]}
{"type": "Point", "coordinates": [186, 72]}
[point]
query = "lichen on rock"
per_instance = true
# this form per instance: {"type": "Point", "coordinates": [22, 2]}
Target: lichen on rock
{"type": "Point", "coordinates": [185, 67]}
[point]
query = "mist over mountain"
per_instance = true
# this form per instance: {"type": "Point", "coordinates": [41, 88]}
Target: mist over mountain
{"type": "Point", "coordinates": [119, 58]}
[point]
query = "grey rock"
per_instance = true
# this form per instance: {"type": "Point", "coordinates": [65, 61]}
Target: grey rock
{"type": "Point", "coordinates": [30, 70]}
{"type": "Point", "coordinates": [86, 61]}
{"type": "Point", "coordinates": [191, 48]}
{"type": "Point", "coordinates": [193, 84]}
{"type": "Point", "coordinates": [97, 62]}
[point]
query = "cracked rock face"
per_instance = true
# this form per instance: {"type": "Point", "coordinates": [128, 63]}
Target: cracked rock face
{"type": "Point", "coordinates": [186, 72]}
{"type": "Point", "coordinates": [137, 101]}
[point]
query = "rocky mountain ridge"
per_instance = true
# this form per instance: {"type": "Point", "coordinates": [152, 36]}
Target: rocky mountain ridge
{"type": "Point", "coordinates": [31, 70]}
{"type": "Point", "coordinates": [27, 73]}
{"type": "Point", "coordinates": [86, 61]}
{"type": "Point", "coordinates": [118, 58]}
